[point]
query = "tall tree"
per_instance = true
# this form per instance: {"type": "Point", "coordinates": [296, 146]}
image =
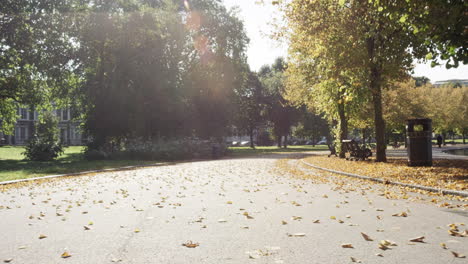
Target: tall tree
{"type": "Point", "coordinates": [36, 54]}
{"type": "Point", "coordinates": [280, 112]}
{"type": "Point", "coordinates": [382, 35]}
{"type": "Point", "coordinates": [250, 106]}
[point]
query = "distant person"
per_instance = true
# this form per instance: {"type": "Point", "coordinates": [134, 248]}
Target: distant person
{"type": "Point", "coordinates": [439, 140]}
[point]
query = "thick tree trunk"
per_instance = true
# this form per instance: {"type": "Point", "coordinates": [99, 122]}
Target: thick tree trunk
{"type": "Point", "coordinates": [278, 140]}
{"type": "Point", "coordinates": [463, 135]}
{"type": "Point", "coordinates": [285, 144]}
{"type": "Point", "coordinates": [379, 124]}
{"type": "Point", "coordinates": [376, 90]}
{"type": "Point", "coordinates": [343, 128]}
{"type": "Point", "coordinates": [251, 138]}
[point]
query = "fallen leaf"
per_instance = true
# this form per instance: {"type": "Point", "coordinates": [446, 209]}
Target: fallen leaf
{"type": "Point", "coordinates": [418, 239]}
{"type": "Point", "coordinates": [402, 214]}
{"type": "Point", "coordinates": [137, 230]}
{"type": "Point", "coordinates": [379, 254]}
{"type": "Point", "coordinates": [316, 221]}
{"type": "Point", "coordinates": [366, 237]}
{"type": "Point", "coordinates": [86, 228]}
{"type": "Point", "coordinates": [42, 236]}
{"type": "Point", "coordinates": [443, 245]}
{"type": "Point", "coordinates": [190, 244]}
{"type": "Point", "coordinates": [297, 235]}
{"type": "Point", "coordinates": [65, 255]}
{"type": "Point", "coordinates": [284, 222]}
{"type": "Point", "coordinates": [458, 255]}
{"type": "Point", "coordinates": [355, 260]}
{"type": "Point", "coordinates": [222, 220]}
{"type": "Point", "coordinates": [347, 246]}
{"type": "Point", "coordinates": [8, 260]}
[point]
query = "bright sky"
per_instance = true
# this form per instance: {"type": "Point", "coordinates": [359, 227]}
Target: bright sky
{"type": "Point", "coordinates": [263, 50]}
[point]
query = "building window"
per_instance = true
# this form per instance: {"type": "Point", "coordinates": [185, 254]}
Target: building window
{"type": "Point", "coordinates": [23, 133]}
{"type": "Point", "coordinates": [23, 114]}
{"type": "Point", "coordinates": [64, 114]}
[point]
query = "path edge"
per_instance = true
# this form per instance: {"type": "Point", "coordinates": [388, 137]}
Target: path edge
{"type": "Point", "coordinates": [82, 173]}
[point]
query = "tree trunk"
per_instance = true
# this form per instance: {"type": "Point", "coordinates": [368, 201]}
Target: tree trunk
{"type": "Point", "coordinates": [404, 135]}
{"type": "Point", "coordinates": [251, 138]}
{"type": "Point", "coordinates": [444, 136]}
{"type": "Point", "coordinates": [363, 136]}
{"type": "Point", "coordinates": [278, 140]}
{"type": "Point", "coordinates": [376, 90]}
{"type": "Point", "coordinates": [463, 135]}
{"type": "Point", "coordinates": [343, 128]}
{"type": "Point", "coordinates": [285, 144]}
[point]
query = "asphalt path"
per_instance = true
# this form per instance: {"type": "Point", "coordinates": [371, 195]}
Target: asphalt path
{"type": "Point", "coordinates": [247, 210]}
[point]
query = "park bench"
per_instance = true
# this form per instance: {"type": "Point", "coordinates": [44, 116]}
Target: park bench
{"type": "Point", "coordinates": [355, 151]}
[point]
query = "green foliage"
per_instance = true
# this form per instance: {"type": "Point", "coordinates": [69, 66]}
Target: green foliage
{"type": "Point", "coordinates": [45, 144]}
{"type": "Point", "coordinates": [280, 112]}
{"type": "Point", "coordinates": [250, 105]}
{"type": "Point", "coordinates": [141, 149]}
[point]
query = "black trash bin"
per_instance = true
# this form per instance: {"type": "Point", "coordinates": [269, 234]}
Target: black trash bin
{"type": "Point", "coordinates": [419, 135]}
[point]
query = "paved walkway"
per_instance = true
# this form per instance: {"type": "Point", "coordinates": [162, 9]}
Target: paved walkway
{"type": "Point", "coordinates": [437, 153]}
{"type": "Point", "coordinates": [238, 211]}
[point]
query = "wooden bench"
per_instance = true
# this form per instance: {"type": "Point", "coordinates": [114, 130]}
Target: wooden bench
{"type": "Point", "coordinates": [355, 151]}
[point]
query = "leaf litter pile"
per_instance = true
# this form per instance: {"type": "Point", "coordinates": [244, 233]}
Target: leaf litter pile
{"type": "Point", "coordinates": [445, 174]}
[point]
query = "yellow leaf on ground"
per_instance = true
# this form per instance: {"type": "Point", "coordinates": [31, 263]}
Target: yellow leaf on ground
{"type": "Point", "coordinates": [190, 244]}
{"type": "Point", "coordinates": [65, 255]}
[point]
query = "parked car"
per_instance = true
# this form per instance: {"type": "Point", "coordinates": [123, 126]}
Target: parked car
{"type": "Point", "coordinates": [244, 144]}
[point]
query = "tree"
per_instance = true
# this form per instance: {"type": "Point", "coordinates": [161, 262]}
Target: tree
{"type": "Point", "coordinates": [312, 127]}
{"type": "Point", "coordinates": [380, 34]}
{"type": "Point", "coordinates": [159, 70]}
{"type": "Point", "coordinates": [250, 106]}
{"type": "Point", "coordinates": [36, 59]}
{"type": "Point", "coordinates": [45, 144]}
{"type": "Point", "coordinates": [279, 111]}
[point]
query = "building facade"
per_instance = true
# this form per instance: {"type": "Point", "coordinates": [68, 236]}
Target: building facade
{"type": "Point", "coordinates": [70, 133]}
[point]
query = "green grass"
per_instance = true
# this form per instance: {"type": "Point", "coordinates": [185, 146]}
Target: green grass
{"type": "Point", "coordinates": [241, 151]}
{"type": "Point", "coordinates": [13, 166]}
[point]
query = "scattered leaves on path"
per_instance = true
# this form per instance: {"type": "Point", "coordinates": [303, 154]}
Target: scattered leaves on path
{"type": "Point", "coordinates": [296, 235]}
{"type": "Point", "coordinates": [402, 214]}
{"type": "Point", "coordinates": [366, 237]}
{"type": "Point", "coordinates": [418, 239]}
{"type": "Point", "coordinates": [457, 255]}
{"type": "Point", "coordinates": [190, 244]}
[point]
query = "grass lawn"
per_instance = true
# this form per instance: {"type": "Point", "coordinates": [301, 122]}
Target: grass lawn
{"type": "Point", "coordinates": [241, 151]}
{"type": "Point", "coordinates": [13, 167]}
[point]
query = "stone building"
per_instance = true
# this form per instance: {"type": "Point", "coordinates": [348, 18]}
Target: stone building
{"type": "Point", "coordinates": [24, 128]}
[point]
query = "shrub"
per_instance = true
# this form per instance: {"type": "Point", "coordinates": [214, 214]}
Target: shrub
{"type": "Point", "coordinates": [45, 144]}
{"type": "Point", "coordinates": [181, 149]}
